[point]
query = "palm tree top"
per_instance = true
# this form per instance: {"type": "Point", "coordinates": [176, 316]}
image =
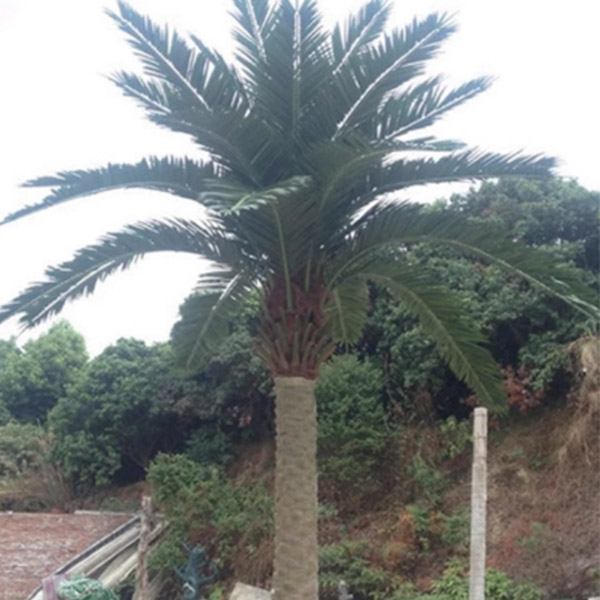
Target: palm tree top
{"type": "Point", "coordinates": [307, 134]}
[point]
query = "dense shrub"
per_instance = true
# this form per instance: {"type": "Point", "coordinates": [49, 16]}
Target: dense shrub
{"type": "Point", "coordinates": [348, 562]}
{"type": "Point", "coordinates": [454, 585]}
{"type": "Point", "coordinates": [209, 444]}
{"type": "Point", "coordinates": [352, 430]}
{"type": "Point", "coordinates": [204, 507]}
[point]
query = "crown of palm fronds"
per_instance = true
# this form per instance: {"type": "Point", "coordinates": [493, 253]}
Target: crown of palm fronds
{"type": "Point", "coordinates": [306, 135]}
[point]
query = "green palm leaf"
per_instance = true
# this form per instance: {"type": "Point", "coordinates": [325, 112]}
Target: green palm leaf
{"type": "Point", "coordinates": [116, 251]}
{"type": "Point", "coordinates": [420, 106]}
{"type": "Point", "coordinates": [399, 57]}
{"type": "Point", "coordinates": [459, 342]}
{"type": "Point", "coordinates": [360, 30]}
{"type": "Point", "coordinates": [399, 225]}
{"type": "Point", "coordinates": [205, 316]}
{"type": "Point", "coordinates": [348, 310]}
{"type": "Point", "coordinates": [179, 176]}
{"type": "Point", "coordinates": [164, 54]}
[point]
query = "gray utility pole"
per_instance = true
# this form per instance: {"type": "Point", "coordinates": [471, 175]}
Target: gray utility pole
{"type": "Point", "coordinates": [478, 506]}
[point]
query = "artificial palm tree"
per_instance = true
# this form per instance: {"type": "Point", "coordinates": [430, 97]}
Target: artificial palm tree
{"type": "Point", "coordinates": [306, 138]}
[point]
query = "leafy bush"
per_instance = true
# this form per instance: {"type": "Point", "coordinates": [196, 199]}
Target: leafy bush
{"type": "Point", "coordinates": [352, 431]}
{"type": "Point", "coordinates": [348, 561]}
{"type": "Point", "coordinates": [454, 585]}
{"type": "Point", "coordinates": [456, 436]}
{"type": "Point", "coordinates": [204, 507]}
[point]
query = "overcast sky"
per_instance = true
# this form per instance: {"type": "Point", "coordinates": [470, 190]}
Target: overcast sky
{"type": "Point", "coordinates": [58, 112]}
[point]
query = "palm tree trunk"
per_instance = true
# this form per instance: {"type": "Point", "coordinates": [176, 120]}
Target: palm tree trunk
{"type": "Point", "coordinates": [478, 506]}
{"type": "Point", "coordinates": [296, 547]}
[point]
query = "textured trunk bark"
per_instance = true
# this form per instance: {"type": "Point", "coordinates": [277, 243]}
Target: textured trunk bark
{"type": "Point", "coordinates": [296, 565]}
{"type": "Point", "coordinates": [478, 506]}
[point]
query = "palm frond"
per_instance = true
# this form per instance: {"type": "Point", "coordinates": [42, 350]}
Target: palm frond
{"type": "Point", "coordinates": [441, 316]}
{"type": "Point", "coordinates": [278, 223]}
{"type": "Point", "coordinates": [116, 251]}
{"type": "Point", "coordinates": [164, 54]}
{"type": "Point", "coordinates": [254, 18]}
{"type": "Point", "coordinates": [399, 57]}
{"type": "Point", "coordinates": [403, 224]}
{"type": "Point", "coordinates": [294, 68]}
{"type": "Point", "coordinates": [420, 106]}
{"type": "Point", "coordinates": [358, 176]}
{"type": "Point", "coordinates": [205, 316]}
{"type": "Point", "coordinates": [179, 176]}
{"type": "Point", "coordinates": [359, 31]}
{"type": "Point", "coordinates": [347, 310]}
{"type": "Point", "coordinates": [221, 84]}
{"type": "Point", "coordinates": [155, 96]}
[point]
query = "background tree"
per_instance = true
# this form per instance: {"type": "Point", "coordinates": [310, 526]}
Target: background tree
{"type": "Point", "coordinates": [528, 331]}
{"type": "Point", "coordinates": [33, 379]}
{"type": "Point", "coordinates": [306, 136]}
{"type": "Point", "coordinates": [122, 411]}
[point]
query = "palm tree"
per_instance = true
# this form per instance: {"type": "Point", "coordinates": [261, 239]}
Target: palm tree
{"type": "Point", "coordinates": [306, 136]}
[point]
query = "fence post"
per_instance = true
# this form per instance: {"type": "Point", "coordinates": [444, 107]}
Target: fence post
{"type": "Point", "coordinates": [478, 506]}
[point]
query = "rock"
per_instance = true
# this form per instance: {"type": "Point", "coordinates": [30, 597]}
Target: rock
{"type": "Point", "coordinates": [242, 591]}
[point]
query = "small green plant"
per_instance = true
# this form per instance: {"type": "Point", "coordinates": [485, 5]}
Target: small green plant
{"type": "Point", "coordinates": [455, 530]}
{"type": "Point", "coordinates": [456, 437]}
{"type": "Point", "coordinates": [327, 511]}
{"type": "Point", "coordinates": [429, 480]}
{"type": "Point", "coordinates": [348, 561]}
{"type": "Point", "coordinates": [421, 519]}
{"type": "Point", "coordinates": [538, 538]}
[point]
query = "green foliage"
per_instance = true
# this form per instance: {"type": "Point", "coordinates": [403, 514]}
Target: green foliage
{"type": "Point", "coordinates": [430, 482]}
{"type": "Point", "coordinates": [23, 448]}
{"type": "Point", "coordinates": [210, 445]}
{"type": "Point", "coordinates": [83, 588]}
{"type": "Point", "coordinates": [235, 387]}
{"type": "Point", "coordinates": [455, 530]}
{"type": "Point", "coordinates": [123, 410]}
{"type": "Point", "coordinates": [352, 430]}
{"type": "Point", "coordinates": [5, 415]}
{"type": "Point", "coordinates": [33, 379]}
{"type": "Point", "coordinates": [456, 436]}
{"type": "Point", "coordinates": [202, 505]}
{"type": "Point", "coordinates": [528, 331]}
{"type": "Point", "coordinates": [454, 585]}
{"type": "Point", "coordinates": [348, 561]}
